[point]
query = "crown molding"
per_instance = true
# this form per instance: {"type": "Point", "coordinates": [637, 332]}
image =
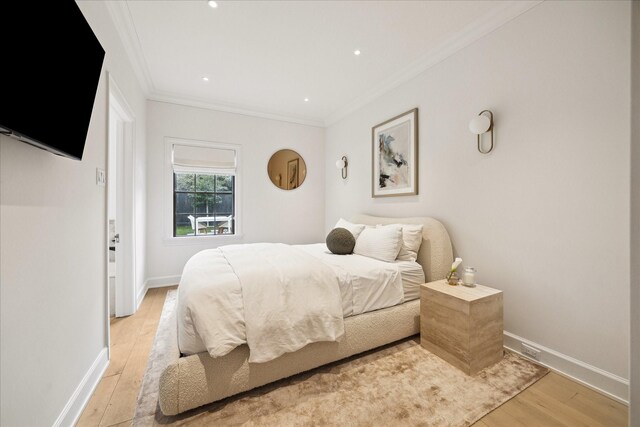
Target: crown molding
{"type": "Point", "coordinates": [463, 38]}
{"type": "Point", "coordinates": [121, 17]}
{"type": "Point", "coordinates": [172, 98]}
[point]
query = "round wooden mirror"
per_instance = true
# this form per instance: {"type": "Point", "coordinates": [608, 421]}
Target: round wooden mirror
{"type": "Point", "coordinates": [287, 169]}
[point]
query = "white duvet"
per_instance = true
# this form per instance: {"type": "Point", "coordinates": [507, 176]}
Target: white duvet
{"type": "Point", "coordinates": [277, 298]}
{"type": "Point", "coordinates": [366, 284]}
{"type": "Point", "coordinates": [273, 297]}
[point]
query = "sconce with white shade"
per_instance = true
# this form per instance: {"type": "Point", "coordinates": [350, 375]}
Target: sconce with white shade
{"type": "Point", "coordinates": [480, 124]}
{"type": "Point", "coordinates": [342, 165]}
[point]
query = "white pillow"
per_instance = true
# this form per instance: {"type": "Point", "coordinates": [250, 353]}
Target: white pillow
{"type": "Point", "coordinates": [381, 243]}
{"type": "Point", "coordinates": [411, 241]}
{"type": "Point", "coordinates": [355, 229]}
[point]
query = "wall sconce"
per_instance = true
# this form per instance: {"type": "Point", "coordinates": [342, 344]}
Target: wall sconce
{"type": "Point", "coordinates": [480, 124]}
{"type": "Point", "coordinates": [342, 164]}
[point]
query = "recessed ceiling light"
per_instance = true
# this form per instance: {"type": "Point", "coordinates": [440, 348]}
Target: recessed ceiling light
{"type": "Point", "coordinates": [306, 100]}
{"type": "Point", "coordinates": [212, 4]}
{"type": "Point", "coordinates": [205, 79]}
{"type": "Point", "coordinates": [357, 52]}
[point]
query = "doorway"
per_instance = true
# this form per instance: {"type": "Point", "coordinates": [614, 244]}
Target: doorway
{"type": "Point", "coordinates": [121, 289]}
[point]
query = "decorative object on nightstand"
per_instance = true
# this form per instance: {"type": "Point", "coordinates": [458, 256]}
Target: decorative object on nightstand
{"type": "Point", "coordinates": [469, 277]}
{"type": "Point", "coordinates": [462, 325]}
{"type": "Point", "coordinates": [452, 278]}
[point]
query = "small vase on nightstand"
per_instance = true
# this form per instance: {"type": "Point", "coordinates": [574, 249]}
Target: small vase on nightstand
{"type": "Point", "coordinates": [453, 279]}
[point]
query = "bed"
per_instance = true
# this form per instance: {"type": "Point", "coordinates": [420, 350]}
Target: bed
{"type": "Point", "coordinates": [193, 378]}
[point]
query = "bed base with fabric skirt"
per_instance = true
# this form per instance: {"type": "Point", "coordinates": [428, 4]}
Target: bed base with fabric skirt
{"type": "Point", "coordinates": [196, 380]}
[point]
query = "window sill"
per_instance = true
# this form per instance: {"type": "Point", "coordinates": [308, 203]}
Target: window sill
{"type": "Point", "coordinates": [218, 240]}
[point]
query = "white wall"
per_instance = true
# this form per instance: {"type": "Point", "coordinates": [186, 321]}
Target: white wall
{"type": "Point", "coordinates": [634, 418]}
{"type": "Point", "coordinates": [53, 257]}
{"type": "Point", "coordinates": [267, 214]}
{"type": "Point", "coordinates": [119, 66]}
{"type": "Point", "coordinates": [545, 217]}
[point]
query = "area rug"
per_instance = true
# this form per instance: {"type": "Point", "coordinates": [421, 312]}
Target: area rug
{"type": "Point", "coordinates": [400, 384]}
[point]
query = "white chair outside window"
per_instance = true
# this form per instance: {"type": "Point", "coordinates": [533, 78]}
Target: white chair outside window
{"type": "Point", "coordinates": [201, 226]}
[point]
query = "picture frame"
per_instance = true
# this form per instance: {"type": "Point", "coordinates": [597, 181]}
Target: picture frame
{"type": "Point", "coordinates": [394, 156]}
{"type": "Point", "coordinates": [293, 171]}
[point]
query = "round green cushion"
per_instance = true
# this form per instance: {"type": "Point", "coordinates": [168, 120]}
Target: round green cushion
{"type": "Point", "coordinates": [340, 241]}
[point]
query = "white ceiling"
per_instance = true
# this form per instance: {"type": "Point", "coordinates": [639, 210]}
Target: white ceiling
{"type": "Point", "coordinates": [265, 57]}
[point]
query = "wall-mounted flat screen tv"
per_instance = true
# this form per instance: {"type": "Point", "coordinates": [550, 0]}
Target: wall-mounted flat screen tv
{"type": "Point", "coordinates": [50, 65]}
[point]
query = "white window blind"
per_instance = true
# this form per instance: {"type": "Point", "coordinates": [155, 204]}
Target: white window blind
{"type": "Point", "coordinates": [198, 159]}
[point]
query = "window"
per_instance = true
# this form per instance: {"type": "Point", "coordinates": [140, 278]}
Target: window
{"type": "Point", "coordinates": [203, 204]}
{"type": "Point", "coordinates": [204, 188]}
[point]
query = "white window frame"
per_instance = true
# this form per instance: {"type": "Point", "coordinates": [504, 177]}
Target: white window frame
{"type": "Point", "coordinates": [167, 204]}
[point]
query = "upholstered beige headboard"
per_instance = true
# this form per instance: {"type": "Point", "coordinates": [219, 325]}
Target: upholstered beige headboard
{"type": "Point", "coordinates": [435, 255]}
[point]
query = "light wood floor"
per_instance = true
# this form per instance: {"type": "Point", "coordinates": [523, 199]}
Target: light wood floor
{"type": "Point", "coordinates": [114, 400]}
{"type": "Point", "coordinates": [552, 401]}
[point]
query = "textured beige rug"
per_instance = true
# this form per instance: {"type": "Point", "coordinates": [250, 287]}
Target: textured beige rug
{"type": "Point", "coordinates": [401, 384]}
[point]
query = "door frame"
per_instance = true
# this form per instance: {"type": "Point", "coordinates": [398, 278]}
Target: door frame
{"type": "Point", "coordinates": [125, 283]}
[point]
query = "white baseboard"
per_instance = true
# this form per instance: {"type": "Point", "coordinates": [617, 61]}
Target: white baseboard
{"type": "Point", "coordinates": [156, 282]}
{"type": "Point", "coordinates": [80, 397]}
{"type": "Point", "coordinates": [141, 295]}
{"type": "Point", "coordinates": [595, 378]}
{"type": "Point", "coordinates": [161, 282]}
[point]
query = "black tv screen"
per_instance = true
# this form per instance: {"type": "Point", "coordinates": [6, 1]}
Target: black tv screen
{"type": "Point", "coordinates": [49, 70]}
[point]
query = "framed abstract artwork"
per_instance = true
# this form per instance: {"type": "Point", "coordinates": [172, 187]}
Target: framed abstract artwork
{"type": "Point", "coordinates": [394, 148]}
{"type": "Point", "coordinates": [292, 174]}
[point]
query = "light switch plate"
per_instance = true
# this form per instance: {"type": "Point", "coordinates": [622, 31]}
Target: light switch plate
{"type": "Point", "coordinates": [101, 178]}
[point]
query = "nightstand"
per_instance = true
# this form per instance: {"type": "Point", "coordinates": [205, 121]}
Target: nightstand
{"type": "Point", "coordinates": [462, 325]}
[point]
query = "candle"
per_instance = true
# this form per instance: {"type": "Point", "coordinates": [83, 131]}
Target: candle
{"type": "Point", "coordinates": [469, 276]}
